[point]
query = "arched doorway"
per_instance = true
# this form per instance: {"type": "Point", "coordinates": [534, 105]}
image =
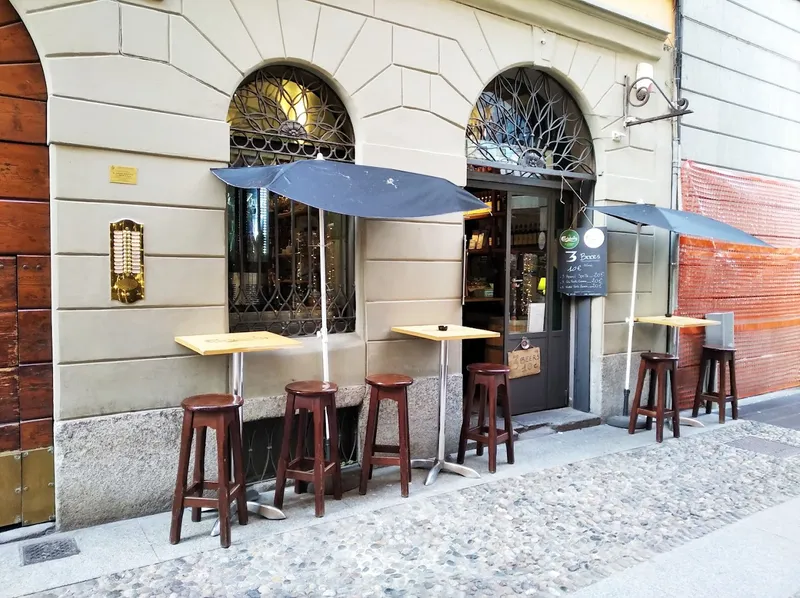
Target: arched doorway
{"type": "Point", "coordinates": [281, 114]}
{"type": "Point", "coordinates": [530, 158]}
{"type": "Point", "coordinates": [26, 369]}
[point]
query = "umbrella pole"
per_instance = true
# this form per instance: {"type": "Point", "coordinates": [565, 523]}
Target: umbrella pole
{"type": "Point", "coordinates": [622, 421]}
{"type": "Point", "coordinates": [627, 392]}
{"type": "Point", "coordinates": [323, 291]}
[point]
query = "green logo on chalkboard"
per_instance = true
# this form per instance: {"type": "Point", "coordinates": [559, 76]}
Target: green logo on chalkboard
{"type": "Point", "coordinates": [569, 239]}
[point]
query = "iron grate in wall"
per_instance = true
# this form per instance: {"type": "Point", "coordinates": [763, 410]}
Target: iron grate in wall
{"type": "Point", "coordinates": [48, 550]}
{"type": "Point", "coordinates": [766, 447]}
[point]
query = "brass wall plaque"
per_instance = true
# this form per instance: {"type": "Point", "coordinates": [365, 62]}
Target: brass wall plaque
{"type": "Point", "coordinates": [123, 175]}
{"type": "Point", "coordinates": [38, 486]}
{"type": "Point", "coordinates": [10, 488]}
{"type": "Point", "coordinates": [127, 261]}
{"type": "Point", "coordinates": [524, 362]}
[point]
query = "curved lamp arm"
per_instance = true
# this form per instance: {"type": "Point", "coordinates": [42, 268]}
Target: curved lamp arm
{"type": "Point", "coordinates": [639, 96]}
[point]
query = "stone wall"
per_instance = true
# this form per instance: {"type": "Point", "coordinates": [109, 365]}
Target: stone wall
{"type": "Point", "coordinates": [147, 83]}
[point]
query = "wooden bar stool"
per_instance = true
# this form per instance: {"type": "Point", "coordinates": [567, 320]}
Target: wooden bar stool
{"type": "Point", "coordinates": [714, 358]}
{"type": "Point", "coordinates": [485, 380]}
{"type": "Point", "coordinates": [659, 366]}
{"type": "Point", "coordinates": [390, 387]}
{"type": "Point", "coordinates": [314, 398]}
{"type": "Point", "coordinates": [219, 412]}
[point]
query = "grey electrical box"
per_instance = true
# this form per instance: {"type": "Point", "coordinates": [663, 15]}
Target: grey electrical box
{"type": "Point", "coordinates": [722, 335]}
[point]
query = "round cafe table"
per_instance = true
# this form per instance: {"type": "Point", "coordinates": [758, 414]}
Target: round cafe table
{"type": "Point", "coordinates": [236, 344]}
{"type": "Point", "coordinates": [454, 332]}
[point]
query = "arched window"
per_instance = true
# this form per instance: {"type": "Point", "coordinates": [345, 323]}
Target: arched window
{"type": "Point", "coordinates": [526, 118]}
{"type": "Point", "coordinates": [280, 114]}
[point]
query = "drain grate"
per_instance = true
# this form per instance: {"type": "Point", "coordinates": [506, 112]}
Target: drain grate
{"type": "Point", "coordinates": [48, 550]}
{"type": "Point", "coordinates": [766, 447]}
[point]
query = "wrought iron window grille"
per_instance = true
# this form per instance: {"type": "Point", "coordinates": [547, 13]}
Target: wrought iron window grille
{"type": "Point", "coordinates": [526, 119]}
{"type": "Point", "coordinates": [281, 114]}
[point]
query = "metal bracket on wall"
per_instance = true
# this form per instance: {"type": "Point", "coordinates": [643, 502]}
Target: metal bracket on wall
{"type": "Point", "coordinates": [637, 96]}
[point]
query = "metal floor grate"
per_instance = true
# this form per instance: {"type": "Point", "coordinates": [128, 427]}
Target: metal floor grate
{"type": "Point", "coordinates": [765, 447]}
{"type": "Point", "coordinates": [48, 550]}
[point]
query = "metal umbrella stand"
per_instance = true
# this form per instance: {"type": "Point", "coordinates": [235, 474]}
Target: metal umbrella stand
{"type": "Point", "coordinates": [676, 221]}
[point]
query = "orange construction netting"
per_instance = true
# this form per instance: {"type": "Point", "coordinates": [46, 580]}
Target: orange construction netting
{"type": "Point", "coordinates": [760, 286]}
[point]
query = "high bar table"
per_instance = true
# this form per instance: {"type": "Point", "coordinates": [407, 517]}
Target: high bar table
{"type": "Point", "coordinates": [453, 332]}
{"type": "Point", "coordinates": [236, 344]}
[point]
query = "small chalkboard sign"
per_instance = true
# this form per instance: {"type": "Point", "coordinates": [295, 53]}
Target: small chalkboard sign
{"type": "Point", "coordinates": [583, 262]}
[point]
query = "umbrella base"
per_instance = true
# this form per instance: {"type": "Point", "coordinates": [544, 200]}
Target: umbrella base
{"type": "Point", "coordinates": [622, 421]}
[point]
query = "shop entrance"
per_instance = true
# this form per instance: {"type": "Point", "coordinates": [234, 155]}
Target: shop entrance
{"type": "Point", "coordinates": [530, 158]}
{"type": "Point", "coordinates": [510, 287]}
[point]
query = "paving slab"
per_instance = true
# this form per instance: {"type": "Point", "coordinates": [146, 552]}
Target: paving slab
{"type": "Point", "coordinates": [743, 560]}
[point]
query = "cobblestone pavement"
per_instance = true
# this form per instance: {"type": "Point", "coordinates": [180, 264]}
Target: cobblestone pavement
{"type": "Point", "coordinates": [544, 534]}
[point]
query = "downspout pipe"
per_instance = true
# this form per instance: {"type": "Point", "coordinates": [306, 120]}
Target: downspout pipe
{"type": "Point", "coordinates": [676, 204]}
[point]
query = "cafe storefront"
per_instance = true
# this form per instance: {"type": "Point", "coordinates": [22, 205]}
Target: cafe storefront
{"type": "Point", "coordinates": [145, 97]}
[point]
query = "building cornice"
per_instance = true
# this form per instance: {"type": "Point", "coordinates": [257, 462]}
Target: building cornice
{"type": "Point", "coordinates": [579, 18]}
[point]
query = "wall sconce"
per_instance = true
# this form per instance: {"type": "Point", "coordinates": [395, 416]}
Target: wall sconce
{"type": "Point", "coordinates": [127, 261]}
{"type": "Point", "coordinates": [638, 93]}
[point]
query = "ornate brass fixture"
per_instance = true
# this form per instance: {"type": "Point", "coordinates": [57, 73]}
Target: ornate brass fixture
{"type": "Point", "coordinates": [127, 261]}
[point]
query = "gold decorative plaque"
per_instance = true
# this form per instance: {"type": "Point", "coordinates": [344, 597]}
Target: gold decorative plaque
{"type": "Point", "coordinates": [127, 261]}
{"type": "Point", "coordinates": [123, 175]}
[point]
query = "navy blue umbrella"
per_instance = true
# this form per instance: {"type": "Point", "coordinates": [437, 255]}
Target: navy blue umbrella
{"type": "Point", "coordinates": [355, 189]}
{"type": "Point", "coordinates": [676, 221]}
{"type": "Point", "coordinates": [680, 222]}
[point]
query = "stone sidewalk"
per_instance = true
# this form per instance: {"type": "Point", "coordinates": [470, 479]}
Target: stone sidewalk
{"type": "Point", "coordinates": [578, 512]}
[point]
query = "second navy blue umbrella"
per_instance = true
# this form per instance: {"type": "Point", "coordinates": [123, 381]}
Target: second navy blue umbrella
{"type": "Point", "coordinates": [676, 221]}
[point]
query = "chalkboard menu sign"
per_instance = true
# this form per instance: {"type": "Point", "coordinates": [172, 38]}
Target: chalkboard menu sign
{"type": "Point", "coordinates": [583, 262]}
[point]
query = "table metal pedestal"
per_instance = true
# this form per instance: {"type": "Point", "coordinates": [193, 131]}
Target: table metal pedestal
{"type": "Point", "coordinates": [440, 463]}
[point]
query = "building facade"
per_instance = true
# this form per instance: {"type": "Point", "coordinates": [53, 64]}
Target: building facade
{"type": "Point", "coordinates": [153, 85]}
{"type": "Point", "coordinates": [739, 67]}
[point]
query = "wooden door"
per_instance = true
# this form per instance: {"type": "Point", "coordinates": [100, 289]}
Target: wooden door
{"type": "Point", "coordinates": [26, 370]}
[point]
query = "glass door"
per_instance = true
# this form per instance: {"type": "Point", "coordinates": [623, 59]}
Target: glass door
{"type": "Point", "coordinates": [535, 313]}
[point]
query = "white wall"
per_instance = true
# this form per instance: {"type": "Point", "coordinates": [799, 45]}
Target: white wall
{"type": "Point", "coordinates": [741, 74]}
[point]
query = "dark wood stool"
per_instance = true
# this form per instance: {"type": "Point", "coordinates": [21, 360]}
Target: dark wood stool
{"type": "Point", "coordinates": [485, 380]}
{"type": "Point", "coordinates": [314, 398]}
{"type": "Point", "coordinates": [221, 413]}
{"type": "Point", "coordinates": [714, 358]}
{"type": "Point", "coordinates": [659, 366]}
{"type": "Point", "coordinates": [390, 387]}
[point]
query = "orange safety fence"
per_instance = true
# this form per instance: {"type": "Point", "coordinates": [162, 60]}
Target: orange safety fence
{"type": "Point", "coordinates": [761, 286]}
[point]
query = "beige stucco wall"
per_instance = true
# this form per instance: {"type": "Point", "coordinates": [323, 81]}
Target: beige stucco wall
{"type": "Point", "coordinates": [146, 83]}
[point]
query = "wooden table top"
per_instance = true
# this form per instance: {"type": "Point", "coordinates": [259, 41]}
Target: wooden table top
{"type": "Point", "coordinates": [454, 332]}
{"type": "Point", "coordinates": [676, 321]}
{"type": "Point", "coordinates": [236, 342]}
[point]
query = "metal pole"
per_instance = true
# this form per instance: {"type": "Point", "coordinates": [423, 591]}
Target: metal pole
{"type": "Point", "coordinates": [631, 317]}
{"type": "Point", "coordinates": [443, 350]}
{"type": "Point", "coordinates": [323, 300]}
